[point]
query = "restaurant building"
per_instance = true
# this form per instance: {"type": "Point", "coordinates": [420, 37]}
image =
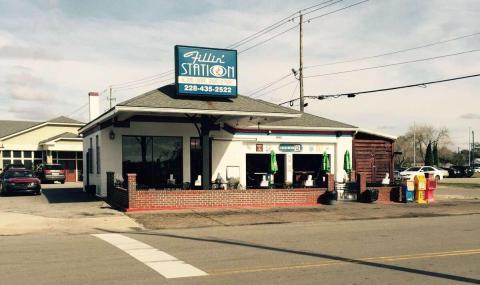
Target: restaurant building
{"type": "Point", "coordinates": [167, 149]}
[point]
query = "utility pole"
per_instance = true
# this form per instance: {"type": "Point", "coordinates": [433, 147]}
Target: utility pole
{"type": "Point", "coordinates": [469, 148]}
{"type": "Point", "coordinates": [414, 145]}
{"type": "Point", "coordinates": [300, 70]}
{"type": "Point", "coordinates": [473, 147]}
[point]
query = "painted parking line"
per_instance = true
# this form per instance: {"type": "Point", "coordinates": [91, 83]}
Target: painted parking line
{"type": "Point", "coordinates": [165, 264]}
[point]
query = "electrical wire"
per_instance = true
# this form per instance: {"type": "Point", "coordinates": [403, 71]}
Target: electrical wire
{"type": "Point", "coordinates": [391, 64]}
{"type": "Point", "coordinates": [276, 25]}
{"type": "Point", "coordinates": [393, 52]}
{"type": "Point", "coordinates": [353, 94]}
{"type": "Point", "coordinates": [267, 85]}
{"type": "Point", "coordinates": [279, 87]}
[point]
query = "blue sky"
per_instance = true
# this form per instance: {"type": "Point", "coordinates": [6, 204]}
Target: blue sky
{"type": "Point", "coordinates": [52, 53]}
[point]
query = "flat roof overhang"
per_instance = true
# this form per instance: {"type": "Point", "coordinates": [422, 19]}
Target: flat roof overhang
{"type": "Point", "coordinates": [128, 111]}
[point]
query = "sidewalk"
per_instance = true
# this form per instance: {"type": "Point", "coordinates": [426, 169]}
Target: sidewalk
{"type": "Point", "coordinates": [340, 212]}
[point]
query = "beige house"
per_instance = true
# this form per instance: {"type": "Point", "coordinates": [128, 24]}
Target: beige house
{"type": "Point", "coordinates": [31, 143]}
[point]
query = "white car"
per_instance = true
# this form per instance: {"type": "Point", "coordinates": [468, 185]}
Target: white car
{"type": "Point", "coordinates": [411, 172]}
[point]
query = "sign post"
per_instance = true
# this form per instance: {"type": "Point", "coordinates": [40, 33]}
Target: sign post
{"type": "Point", "coordinates": [205, 72]}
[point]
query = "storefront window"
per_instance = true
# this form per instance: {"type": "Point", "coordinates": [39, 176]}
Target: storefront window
{"type": "Point", "coordinates": [27, 154]}
{"type": "Point", "coordinates": [17, 153]}
{"type": "Point", "coordinates": [7, 153]}
{"type": "Point", "coordinates": [66, 155]}
{"type": "Point", "coordinates": [6, 162]}
{"type": "Point", "coordinates": [153, 159]}
{"type": "Point", "coordinates": [38, 154]}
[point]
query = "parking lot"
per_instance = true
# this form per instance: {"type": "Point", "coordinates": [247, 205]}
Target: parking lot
{"type": "Point", "coordinates": [58, 208]}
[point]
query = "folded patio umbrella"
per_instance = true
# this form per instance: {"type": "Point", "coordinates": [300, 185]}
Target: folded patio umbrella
{"type": "Point", "coordinates": [326, 162]}
{"type": "Point", "coordinates": [273, 163]}
{"type": "Point", "coordinates": [347, 163]}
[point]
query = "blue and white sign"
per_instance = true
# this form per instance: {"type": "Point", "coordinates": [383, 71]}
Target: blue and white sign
{"type": "Point", "coordinates": [205, 71]}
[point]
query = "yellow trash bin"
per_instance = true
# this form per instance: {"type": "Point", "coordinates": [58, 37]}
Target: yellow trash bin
{"type": "Point", "coordinates": [420, 188]}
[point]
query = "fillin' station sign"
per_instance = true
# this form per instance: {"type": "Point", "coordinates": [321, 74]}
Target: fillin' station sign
{"type": "Point", "coordinates": [205, 71]}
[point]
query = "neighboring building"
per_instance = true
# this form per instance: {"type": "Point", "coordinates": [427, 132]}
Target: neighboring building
{"type": "Point", "coordinates": [52, 141]}
{"type": "Point", "coordinates": [159, 137]}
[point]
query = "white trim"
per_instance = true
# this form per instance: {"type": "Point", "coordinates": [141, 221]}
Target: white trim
{"type": "Point", "coordinates": [266, 128]}
{"type": "Point", "coordinates": [102, 117]}
{"type": "Point", "coordinates": [39, 126]}
{"type": "Point", "coordinates": [206, 111]}
{"type": "Point", "coordinates": [377, 134]}
{"type": "Point", "coordinates": [52, 142]}
{"type": "Point", "coordinates": [117, 109]}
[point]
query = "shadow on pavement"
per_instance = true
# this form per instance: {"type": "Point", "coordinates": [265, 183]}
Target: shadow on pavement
{"type": "Point", "coordinates": [68, 195]}
{"type": "Point", "coordinates": [327, 256]}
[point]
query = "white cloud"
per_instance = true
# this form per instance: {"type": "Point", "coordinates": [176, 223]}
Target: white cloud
{"type": "Point", "coordinates": [100, 44]}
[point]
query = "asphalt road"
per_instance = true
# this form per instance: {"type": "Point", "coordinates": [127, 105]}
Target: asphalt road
{"type": "Point", "coordinates": [437, 250]}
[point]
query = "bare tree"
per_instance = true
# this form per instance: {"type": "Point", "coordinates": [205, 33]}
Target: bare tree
{"type": "Point", "coordinates": [423, 135]}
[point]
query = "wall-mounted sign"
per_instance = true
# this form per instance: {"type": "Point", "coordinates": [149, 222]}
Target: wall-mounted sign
{"type": "Point", "coordinates": [205, 72]}
{"type": "Point", "coordinates": [287, 147]}
{"type": "Point", "coordinates": [259, 147]}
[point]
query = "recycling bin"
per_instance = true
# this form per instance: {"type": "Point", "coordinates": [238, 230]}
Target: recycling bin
{"type": "Point", "coordinates": [408, 190]}
{"type": "Point", "coordinates": [420, 187]}
{"type": "Point", "coordinates": [431, 187]}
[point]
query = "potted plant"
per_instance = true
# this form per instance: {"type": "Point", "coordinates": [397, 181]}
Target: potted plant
{"type": "Point", "coordinates": [370, 195]}
{"type": "Point", "coordinates": [330, 197]}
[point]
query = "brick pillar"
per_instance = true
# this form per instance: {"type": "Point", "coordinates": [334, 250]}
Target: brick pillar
{"type": "Point", "coordinates": [330, 182]}
{"type": "Point", "coordinates": [362, 184]}
{"type": "Point", "coordinates": [352, 176]}
{"type": "Point", "coordinates": [132, 189]}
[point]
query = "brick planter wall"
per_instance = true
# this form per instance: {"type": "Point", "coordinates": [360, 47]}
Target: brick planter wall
{"type": "Point", "coordinates": [132, 199]}
{"type": "Point", "coordinates": [388, 193]}
{"type": "Point", "coordinates": [181, 199]}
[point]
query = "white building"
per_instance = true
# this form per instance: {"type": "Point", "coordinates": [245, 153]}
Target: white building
{"type": "Point", "coordinates": [31, 143]}
{"type": "Point", "coordinates": [159, 136]}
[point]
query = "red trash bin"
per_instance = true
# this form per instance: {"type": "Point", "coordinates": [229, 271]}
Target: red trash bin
{"type": "Point", "coordinates": [431, 187]}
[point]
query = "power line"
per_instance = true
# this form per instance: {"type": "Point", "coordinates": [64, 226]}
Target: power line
{"type": "Point", "coordinates": [394, 52]}
{"type": "Point", "coordinates": [279, 87]}
{"type": "Point", "coordinates": [353, 94]}
{"type": "Point", "coordinates": [305, 21]}
{"type": "Point", "coordinates": [163, 74]}
{"type": "Point", "coordinates": [278, 24]}
{"type": "Point", "coordinates": [392, 64]}
{"type": "Point", "coordinates": [335, 11]}
{"type": "Point", "coordinates": [267, 85]}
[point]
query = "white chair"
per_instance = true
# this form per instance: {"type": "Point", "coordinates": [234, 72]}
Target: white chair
{"type": "Point", "coordinates": [309, 181]}
{"type": "Point", "coordinates": [264, 182]}
{"type": "Point", "coordinates": [171, 180]}
{"type": "Point", "coordinates": [386, 180]}
{"type": "Point", "coordinates": [198, 182]}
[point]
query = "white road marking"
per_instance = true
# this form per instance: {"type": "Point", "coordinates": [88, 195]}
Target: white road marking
{"type": "Point", "coordinates": [165, 264]}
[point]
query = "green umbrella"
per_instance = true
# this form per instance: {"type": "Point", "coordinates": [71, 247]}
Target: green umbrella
{"type": "Point", "coordinates": [347, 163]}
{"type": "Point", "coordinates": [326, 162]}
{"type": "Point", "coordinates": [273, 163]}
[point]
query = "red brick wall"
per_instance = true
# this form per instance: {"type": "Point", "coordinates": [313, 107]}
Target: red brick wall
{"type": "Point", "coordinates": [178, 199]}
{"type": "Point", "coordinates": [385, 193]}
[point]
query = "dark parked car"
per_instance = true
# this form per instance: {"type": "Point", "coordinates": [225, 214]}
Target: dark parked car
{"type": "Point", "coordinates": [14, 166]}
{"type": "Point", "coordinates": [50, 173]}
{"type": "Point", "coordinates": [460, 171]}
{"type": "Point", "coordinates": [19, 180]}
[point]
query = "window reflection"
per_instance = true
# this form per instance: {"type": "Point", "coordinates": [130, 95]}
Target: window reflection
{"type": "Point", "coordinates": [153, 159]}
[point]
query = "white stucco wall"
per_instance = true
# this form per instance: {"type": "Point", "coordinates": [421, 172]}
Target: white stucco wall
{"type": "Point", "coordinates": [227, 149]}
